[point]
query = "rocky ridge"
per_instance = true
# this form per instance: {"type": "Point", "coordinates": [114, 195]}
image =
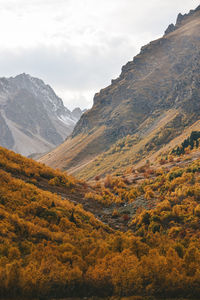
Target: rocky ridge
{"type": "Point", "coordinates": [180, 19]}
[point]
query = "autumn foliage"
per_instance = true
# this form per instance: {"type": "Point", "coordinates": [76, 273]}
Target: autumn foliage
{"type": "Point", "coordinates": [50, 247]}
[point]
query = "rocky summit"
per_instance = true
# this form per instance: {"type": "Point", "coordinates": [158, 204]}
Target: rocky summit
{"type": "Point", "coordinates": [33, 119]}
{"type": "Point", "coordinates": [153, 100]}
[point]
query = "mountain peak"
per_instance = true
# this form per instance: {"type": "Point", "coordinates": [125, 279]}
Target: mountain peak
{"type": "Point", "coordinates": [76, 113]}
{"type": "Point", "coordinates": [23, 75]}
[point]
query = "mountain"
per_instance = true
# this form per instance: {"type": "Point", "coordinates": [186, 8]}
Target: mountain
{"type": "Point", "coordinates": [33, 119]}
{"type": "Point", "coordinates": [155, 98]}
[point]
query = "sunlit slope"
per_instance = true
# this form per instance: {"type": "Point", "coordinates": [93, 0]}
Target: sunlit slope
{"type": "Point", "coordinates": [42, 246]}
{"type": "Point", "coordinates": [133, 152]}
{"type": "Point", "coordinates": [50, 247]}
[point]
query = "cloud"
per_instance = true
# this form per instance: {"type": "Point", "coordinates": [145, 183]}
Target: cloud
{"type": "Point", "coordinates": [71, 66]}
{"type": "Point", "coordinates": [74, 72]}
{"type": "Point", "coordinates": [78, 46]}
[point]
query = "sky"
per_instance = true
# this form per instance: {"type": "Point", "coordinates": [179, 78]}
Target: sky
{"type": "Point", "coordinates": [78, 46]}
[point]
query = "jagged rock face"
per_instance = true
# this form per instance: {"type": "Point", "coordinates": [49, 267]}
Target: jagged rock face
{"type": "Point", "coordinates": [33, 118]}
{"type": "Point", "coordinates": [165, 76]}
{"type": "Point", "coordinates": [181, 19]}
{"type": "Point", "coordinates": [170, 28]}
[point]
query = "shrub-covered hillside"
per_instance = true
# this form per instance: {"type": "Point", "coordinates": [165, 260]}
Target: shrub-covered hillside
{"type": "Point", "coordinates": [50, 247]}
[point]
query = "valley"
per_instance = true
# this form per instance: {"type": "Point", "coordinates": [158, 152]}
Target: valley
{"type": "Point", "coordinates": [111, 208]}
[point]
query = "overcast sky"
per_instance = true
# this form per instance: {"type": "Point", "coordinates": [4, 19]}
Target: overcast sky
{"type": "Point", "coordinates": [78, 46]}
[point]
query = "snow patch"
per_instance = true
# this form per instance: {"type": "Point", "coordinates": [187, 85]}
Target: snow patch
{"type": "Point", "coordinates": [68, 121]}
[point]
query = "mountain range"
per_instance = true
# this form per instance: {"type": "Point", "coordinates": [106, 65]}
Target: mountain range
{"type": "Point", "coordinates": [155, 99]}
{"type": "Point", "coordinates": [33, 119]}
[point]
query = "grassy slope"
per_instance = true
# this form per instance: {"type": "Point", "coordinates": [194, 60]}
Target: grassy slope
{"type": "Point", "coordinates": [133, 151]}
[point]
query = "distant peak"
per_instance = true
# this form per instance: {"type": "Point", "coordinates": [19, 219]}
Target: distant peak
{"type": "Point", "coordinates": [77, 113]}
{"type": "Point", "coordinates": [22, 75]}
{"type": "Point", "coordinates": [28, 78]}
{"type": "Point", "coordinates": [77, 109]}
